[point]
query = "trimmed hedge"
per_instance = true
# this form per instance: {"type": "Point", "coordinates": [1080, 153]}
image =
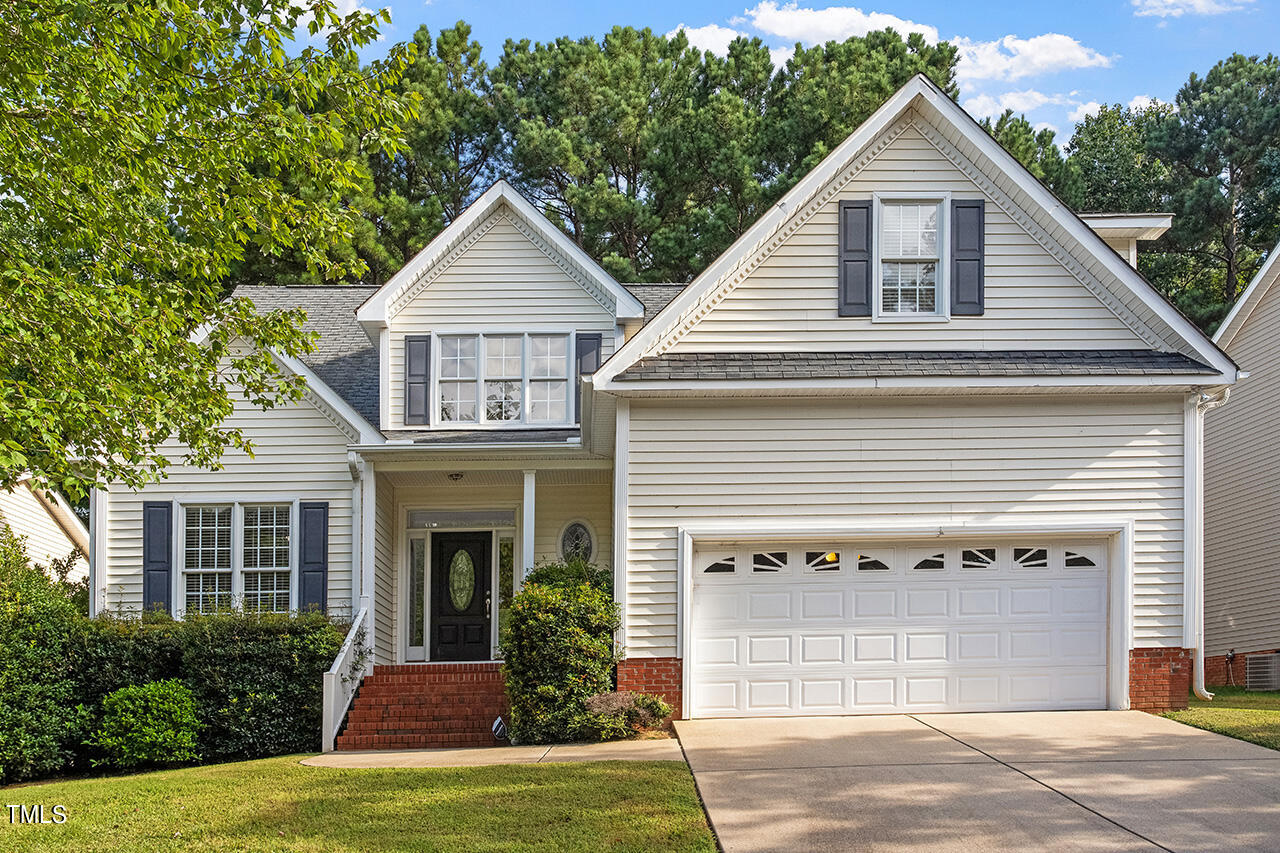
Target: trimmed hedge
{"type": "Point", "coordinates": [255, 680]}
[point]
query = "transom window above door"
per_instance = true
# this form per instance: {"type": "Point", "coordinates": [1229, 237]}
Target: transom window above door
{"type": "Point", "coordinates": [504, 379]}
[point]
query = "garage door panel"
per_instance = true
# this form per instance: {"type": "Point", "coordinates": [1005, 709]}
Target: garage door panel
{"type": "Point", "coordinates": [995, 627]}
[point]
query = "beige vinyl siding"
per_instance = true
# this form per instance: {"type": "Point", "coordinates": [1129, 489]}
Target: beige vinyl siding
{"type": "Point", "coordinates": [501, 282]}
{"type": "Point", "coordinates": [385, 589]}
{"type": "Point", "coordinates": [1242, 495]}
{"type": "Point", "coordinates": [789, 301]}
{"type": "Point", "coordinates": [858, 463]}
{"type": "Point", "coordinates": [298, 453]}
{"type": "Point", "coordinates": [46, 541]}
{"type": "Point", "coordinates": [556, 506]}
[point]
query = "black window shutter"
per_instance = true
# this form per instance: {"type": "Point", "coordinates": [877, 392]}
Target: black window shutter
{"type": "Point", "coordinates": [313, 556]}
{"type": "Point", "coordinates": [855, 259]}
{"type": "Point", "coordinates": [967, 236]}
{"type": "Point", "coordinates": [157, 556]}
{"type": "Point", "coordinates": [588, 363]}
{"type": "Point", "coordinates": [417, 378]}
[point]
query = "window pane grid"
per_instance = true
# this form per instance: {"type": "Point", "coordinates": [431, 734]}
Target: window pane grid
{"type": "Point", "coordinates": [907, 288]}
{"type": "Point", "coordinates": [266, 537]}
{"type": "Point", "coordinates": [504, 378]}
{"type": "Point", "coordinates": [208, 538]}
{"type": "Point", "coordinates": [266, 592]}
{"type": "Point", "coordinates": [208, 592]}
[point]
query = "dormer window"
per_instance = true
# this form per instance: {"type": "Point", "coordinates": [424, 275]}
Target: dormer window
{"type": "Point", "coordinates": [504, 379]}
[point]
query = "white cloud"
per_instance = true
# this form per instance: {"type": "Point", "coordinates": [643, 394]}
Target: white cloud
{"type": "Point", "coordinates": [835, 23]}
{"type": "Point", "coordinates": [1083, 110]}
{"type": "Point", "coordinates": [1019, 102]}
{"type": "Point", "coordinates": [1178, 8]}
{"type": "Point", "coordinates": [1141, 102]}
{"type": "Point", "coordinates": [780, 55]}
{"type": "Point", "coordinates": [712, 37]}
{"type": "Point", "coordinates": [1011, 58]}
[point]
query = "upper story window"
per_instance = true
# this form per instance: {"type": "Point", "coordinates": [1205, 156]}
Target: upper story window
{"type": "Point", "coordinates": [504, 379]}
{"type": "Point", "coordinates": [910, 258]}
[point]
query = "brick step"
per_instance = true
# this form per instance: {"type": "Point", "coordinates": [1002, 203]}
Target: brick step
{"type": "Point", "coordinates": [442, 689]}
{"type": "Point", "coordinates": [368, 719]}
{"type": "Point", "coordinates": [415, 741]}
{"type": "Point", "coordinates": [403, 682]}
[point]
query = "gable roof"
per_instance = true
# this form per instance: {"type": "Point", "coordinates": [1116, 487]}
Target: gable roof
{"type": "Point", "coordinates": [1080, 244]}
{"type": "Point", "coordinates": [1261, 285]}
{"type": "Point", "coordinates": [343, 360]}
{"type": "Point", "coordinates": [381, 306]}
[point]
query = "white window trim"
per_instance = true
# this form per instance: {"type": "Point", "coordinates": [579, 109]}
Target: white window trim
{"type": "Point", "coordinates": [591, 531]}
{"type": "Point", "coordinates": [179, 586]}
{"type": "Point", "coordinates": [943, 300]}
{"type": "Point", "coordinates": [437, 421]}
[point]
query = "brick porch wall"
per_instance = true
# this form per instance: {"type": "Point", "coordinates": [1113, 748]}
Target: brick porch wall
{"type": "Point", "coordinates": [660, 676]}
{"type": "Point", "coordinates": [1215, 668]}
{"type": "Point", "coordinates": [1159, 679]}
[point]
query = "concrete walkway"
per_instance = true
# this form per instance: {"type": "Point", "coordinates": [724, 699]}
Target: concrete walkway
{"type": "Point", "coordinates": [1088, 780]}
{"type": "Point", "coordinates": [661, 749]}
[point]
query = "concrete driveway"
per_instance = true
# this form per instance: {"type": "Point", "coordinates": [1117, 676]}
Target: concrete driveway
{"type": "Point", "coordinates": [1070, 780]}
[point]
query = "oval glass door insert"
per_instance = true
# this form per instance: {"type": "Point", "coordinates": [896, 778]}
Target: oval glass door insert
{"type": "Point", "coordinates": [462, 580]}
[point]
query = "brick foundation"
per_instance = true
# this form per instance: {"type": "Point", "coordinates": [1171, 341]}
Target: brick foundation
{"type": "Point", "coordinates": [660, 676]}
{"type": "Point", "coordinates": [1215, 668]}
{"type": "Point", "coordinates": [1159, 679]}
{"type": "Point", "coordinates": [432, 705]}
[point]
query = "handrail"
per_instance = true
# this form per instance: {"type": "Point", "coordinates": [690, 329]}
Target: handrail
{"type": "Point", "coordinates": [342, 679]}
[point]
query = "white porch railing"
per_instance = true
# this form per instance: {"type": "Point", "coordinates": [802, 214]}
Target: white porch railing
{"type": "Point", "coordinates": [351, 665]}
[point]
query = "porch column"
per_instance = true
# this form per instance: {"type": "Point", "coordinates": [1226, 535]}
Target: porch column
{"type": "Point", "coordinates": [368, 513]}
{"type": "Point", "coordinates": [526, 522]}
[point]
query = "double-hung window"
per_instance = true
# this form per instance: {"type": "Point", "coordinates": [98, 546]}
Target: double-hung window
{"type": "Point", "coordinates": [237, 555]}
{"type": "Point", "coordinates": [207, 558]}
{"type": "Point", "coordinates": [911, 264]}
{"type": "Point", "coordinates": [267, 556]}
{"type": "Point", "coordinates": [504, 379]}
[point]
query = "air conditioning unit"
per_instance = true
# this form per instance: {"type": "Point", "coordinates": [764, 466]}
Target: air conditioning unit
{"type": "Point", "coordinates": [1262, 672]}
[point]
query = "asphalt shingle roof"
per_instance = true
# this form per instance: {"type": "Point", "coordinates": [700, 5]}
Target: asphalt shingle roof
{"type": "Point", "coordinates": [866, 365]}
{"type": "Point", "coordinates": [343, 358]}
{"type": "Point", "coordinates": [485, 436]}
{"type": "Point", "coordinates": [654, 297]}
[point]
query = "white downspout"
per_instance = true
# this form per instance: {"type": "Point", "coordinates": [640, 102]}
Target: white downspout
{"type": "Point", "coordinates": [1195, 542]}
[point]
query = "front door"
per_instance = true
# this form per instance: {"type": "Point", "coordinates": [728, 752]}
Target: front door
{"type": "Point", "coordinates": [460, 595]}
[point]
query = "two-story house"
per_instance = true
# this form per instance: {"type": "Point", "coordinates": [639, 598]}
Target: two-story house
{"type": "Point", "coordinates": [919, 440]}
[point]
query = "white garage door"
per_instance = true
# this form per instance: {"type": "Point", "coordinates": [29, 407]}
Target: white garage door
{"type": "Point", "coordinates": [833, 628]}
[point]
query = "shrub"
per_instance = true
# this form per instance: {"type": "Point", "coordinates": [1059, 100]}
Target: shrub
{"type": "Point", "coordinates": [258, 680]}
{"type": "Point", "coordinates": [571, 572]}
{"type": "Point", "coordinates": [39, 716]}
{"type": "Point", "coordinates": [614, 716]}
{"type": "Point", "coordinates": [153, 723]}
{"type": "Point", "coordinates": [558, 651]}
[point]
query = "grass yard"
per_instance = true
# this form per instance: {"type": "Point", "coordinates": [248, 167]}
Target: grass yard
{"type": "Point", "coordinates": [1254, 717]}
{"type": "Point", "coordinates": [278, 804]}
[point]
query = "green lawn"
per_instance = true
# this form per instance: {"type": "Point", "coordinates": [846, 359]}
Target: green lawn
{"type": "Point", "coordinates": [278, 804]}
{"type": "Point", "coordinates": [1254, 717]}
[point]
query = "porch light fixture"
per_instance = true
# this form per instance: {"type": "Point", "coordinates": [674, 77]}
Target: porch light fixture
{"type": "Point", "coordinates": [455, 476]}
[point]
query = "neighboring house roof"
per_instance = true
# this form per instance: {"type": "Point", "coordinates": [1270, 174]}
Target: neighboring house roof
{"type": "Point", "coordinates": [655, 297]}
{"type": "Point", "coordinates": [343, 358]}
{"type": "Point", "coordinates": [848, 365]}
{"type": "Point", "coordinates": [1142, 305]}
{"type": "Point", "coordinates": [1262, 283]}
{"type": "Point", "coordinates": [387, 300]}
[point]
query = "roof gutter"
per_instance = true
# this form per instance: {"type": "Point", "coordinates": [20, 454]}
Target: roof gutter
{"type": "Point", "coordinates": [1196, 409]}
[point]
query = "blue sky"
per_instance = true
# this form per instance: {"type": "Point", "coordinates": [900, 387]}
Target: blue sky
{"type": "Point", "coordinates": [1052, 61]}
